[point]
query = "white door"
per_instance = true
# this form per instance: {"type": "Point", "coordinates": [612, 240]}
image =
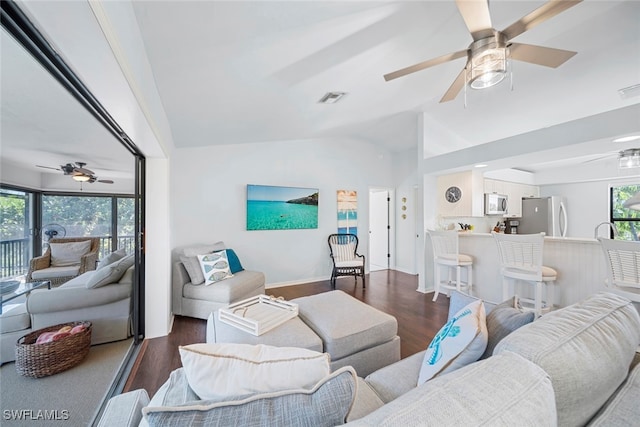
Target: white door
{"type": "Point", "coordinates": [378, 230]}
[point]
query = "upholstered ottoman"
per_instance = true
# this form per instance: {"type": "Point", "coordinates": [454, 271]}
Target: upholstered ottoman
{"type": "Point", "coordinates": [352, 332]}
{"type": "Point", "coordinates": [292, 333]}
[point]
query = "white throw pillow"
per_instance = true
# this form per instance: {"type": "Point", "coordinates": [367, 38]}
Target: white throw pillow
{"type": "Point", "coordinates": [215, 267]}
{"type": "Point", "coordinates": [217, 371]}
{"type": "Point", "coordinates": [461, 341]}
{"type": "Point", "coordinates": [111, 273]}
{"type": "Point", "coordinates": [111, 258]}
{"type": "Point", "coordinates": [189, 258]}
{"type": "Point", "coordinates": [69, 253]}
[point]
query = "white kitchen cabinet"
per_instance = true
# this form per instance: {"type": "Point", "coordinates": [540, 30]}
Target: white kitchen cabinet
{"type": "Point", "coordinates": [515, 192]}
{"type": "Point", "coordinates": [471, 189]}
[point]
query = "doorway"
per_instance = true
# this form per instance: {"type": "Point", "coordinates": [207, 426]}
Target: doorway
{"type": "Point", "coordinates": [379, 229]}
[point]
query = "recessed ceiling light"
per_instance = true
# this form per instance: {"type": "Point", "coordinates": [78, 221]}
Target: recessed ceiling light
{"type": "Point", "coordinates": [627, 138]}
{"type": "Point", "coordinates": [481, 166]}
{"type": "Point", "coordinates": [331, 97]}
{"type": "Point", "coordinates": [629, 92]}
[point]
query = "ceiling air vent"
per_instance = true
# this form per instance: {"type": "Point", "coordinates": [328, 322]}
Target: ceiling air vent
{"type": "Point", "coordinates": [331, 97]}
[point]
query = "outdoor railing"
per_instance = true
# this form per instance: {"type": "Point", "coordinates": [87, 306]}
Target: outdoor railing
{"type": "Point", "coordinates": [14, 257]}
{"type": "Point", "coordinates": [14, 254]}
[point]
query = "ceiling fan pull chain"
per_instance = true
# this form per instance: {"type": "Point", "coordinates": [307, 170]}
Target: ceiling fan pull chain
{"type": "Point", "coordinates": [510, 67]}
{"type": "Point", "coordinates": [466, 83]}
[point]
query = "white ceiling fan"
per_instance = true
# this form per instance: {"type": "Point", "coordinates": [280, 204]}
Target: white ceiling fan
{"type": "Point", "coordinates": [487, 55]}
{"type": "Point", "coordinates": [79, 173]}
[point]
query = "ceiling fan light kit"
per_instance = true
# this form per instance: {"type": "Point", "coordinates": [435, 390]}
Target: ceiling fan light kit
{"type": "Point", "coordinates": [81, 178]}
{"type": "Point", "coordinates": [487, 62]}
{"type": "Point", "coordinates": [629, 158]}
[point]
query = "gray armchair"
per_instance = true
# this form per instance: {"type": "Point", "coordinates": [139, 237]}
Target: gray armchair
{"type": "Point", "coordinates": [41, 268]}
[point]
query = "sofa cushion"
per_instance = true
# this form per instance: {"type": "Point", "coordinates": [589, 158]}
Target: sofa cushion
{"type": "Point", "coordinates": [111, 273]}
{"type": "Point", "coordinates": [327, 404]}
{"type": "Point", "coordinates": [69, 253]}
{"type": "Point", "coordinates": [358, 327]}
{"type": "Point", "coordinates": [622, 408]}
{"type": "Point", "coordinates": [111, 258]}
{"type": "Point", "coordinates": [14, 318]}
{"type": "Point", "coordinates": [54, 272]}
{"type": "Point", "coordinates": [504, 390]}
{"type": "Point", "coordinates": [461, 341]}
{"type": "Point", "coordinates": [365, 402]}
{"type": "Point", "coordinates": [189, 258]}
{"type": "Point", "coordinates": [229, 370]}
{"type": "Point", "coordinates": [215, 267]}
{"type": "Point", "coordinates": [124, 409]}
{"type": "Point", "coordinates": [396, 379]}
{"type": "Point", "coordinates": [232, 289]}
{"type": "Point", "coordinates": [586, 349]}
{"type": "Point", "coordinates": [505, 318]}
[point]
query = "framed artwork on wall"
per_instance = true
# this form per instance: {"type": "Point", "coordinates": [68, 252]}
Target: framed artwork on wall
{"type": "Point", "coordinates": [281, 208]}
{"type": "Point", "coordinates": [347, 212]}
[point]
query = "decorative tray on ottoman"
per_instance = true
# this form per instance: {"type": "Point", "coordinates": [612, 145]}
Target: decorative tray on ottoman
{"type": "Point", "coordinates": [258, 314]}
{"type": "Point", "coordinates": [48, 358]}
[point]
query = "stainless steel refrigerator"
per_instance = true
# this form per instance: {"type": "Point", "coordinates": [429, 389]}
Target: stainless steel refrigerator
{"type": "Point", "coordinates": [544, 214]}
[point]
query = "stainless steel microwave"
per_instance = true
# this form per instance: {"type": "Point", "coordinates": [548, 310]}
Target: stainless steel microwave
{"type": "Point", "coordinates": [495, 204]}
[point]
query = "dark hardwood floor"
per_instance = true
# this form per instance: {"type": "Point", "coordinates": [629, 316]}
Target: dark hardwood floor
{"type": "Point", "coordinates": [393, 292]}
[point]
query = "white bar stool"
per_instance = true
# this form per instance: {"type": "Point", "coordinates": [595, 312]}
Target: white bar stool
{"type": "Point", "coordinates": [623, 267]}
{"type": "Point", "coordinates": [446, 255]}
{"type": "Point", "coordinates": [521, 260]}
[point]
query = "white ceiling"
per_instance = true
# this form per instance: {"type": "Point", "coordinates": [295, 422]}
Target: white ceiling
{"type": "Point", "coordinates": [41, 124]}
{"type": "Point", "coordinates": [233, 71]}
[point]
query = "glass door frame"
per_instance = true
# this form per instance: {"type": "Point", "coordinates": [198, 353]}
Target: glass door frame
{"type": "Point", "coordinates": [17, 23]}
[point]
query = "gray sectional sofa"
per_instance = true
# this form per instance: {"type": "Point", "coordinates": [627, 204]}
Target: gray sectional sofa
{"type": "Point", "coordinates": [575, 366]}
{"type": "Point", "coordinates": [102, 297]}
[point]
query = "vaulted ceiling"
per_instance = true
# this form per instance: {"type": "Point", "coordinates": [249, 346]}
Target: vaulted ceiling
{"type": "Point", "coordinates": [231, 72]}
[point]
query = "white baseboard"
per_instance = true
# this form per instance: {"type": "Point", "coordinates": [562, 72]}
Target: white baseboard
{"type": "Point", "coordinates": [295, 282]}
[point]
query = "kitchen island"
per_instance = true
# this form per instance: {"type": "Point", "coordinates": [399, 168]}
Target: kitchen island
{"type": "Point", "coordinates": [579, 262]}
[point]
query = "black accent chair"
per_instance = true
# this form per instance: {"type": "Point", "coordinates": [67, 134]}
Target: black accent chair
{"type": "Point", "coordinates": [346, 261]}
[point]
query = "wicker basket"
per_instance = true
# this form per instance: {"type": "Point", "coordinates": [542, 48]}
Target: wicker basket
{"type": "Point", "coordinates": [40, 360]}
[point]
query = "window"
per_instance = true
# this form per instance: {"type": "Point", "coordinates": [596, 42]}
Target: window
{"type": "Point", "coordinates": [16, 223]}
{"type": "Point", "coordinates": [97, 216]}
{"type": "Point", "coordinates": [627, 221]}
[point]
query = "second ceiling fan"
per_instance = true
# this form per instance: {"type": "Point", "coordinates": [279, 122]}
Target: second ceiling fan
{"type": "Point", "coordinates": [79, 173]}
{"type": "Point", "coordinates": [487, 55]}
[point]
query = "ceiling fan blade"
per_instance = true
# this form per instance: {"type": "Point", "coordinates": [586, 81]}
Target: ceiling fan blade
{"type": "Point", "coordinates": [48, 167]}
{"type": "Point", "coordinates": [455, 87]}
{"type": "Point", "coordinates": [547, 56]}
{"type": "Point", "coordinates": [477, 17]}
{"type": "Point", "coordinates": [83, 171]}
{"type": "Point", "coordinates": [425, 64]}
{"type": "Point", "coordinates": [105, 181]}
{"type": "Point", "coordinates": [538, 16]}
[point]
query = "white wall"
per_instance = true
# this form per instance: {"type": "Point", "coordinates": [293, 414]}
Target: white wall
{"type": "Point", "coordinates": [208, 199]}
{"type": "Point", "coordinates": [407, 187]}
{"type": "Point", "coordinates": [157, 243]}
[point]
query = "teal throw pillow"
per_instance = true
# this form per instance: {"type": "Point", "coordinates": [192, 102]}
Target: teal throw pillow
{"type": "Point", "coordinates": [234, 261]}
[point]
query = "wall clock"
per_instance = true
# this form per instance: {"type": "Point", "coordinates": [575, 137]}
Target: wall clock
{"type": "Point", "coordinates": [453, 194]}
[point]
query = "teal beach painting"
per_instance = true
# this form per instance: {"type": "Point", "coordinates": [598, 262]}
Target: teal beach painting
{"type": "Point", "coordinates": [281, 208]}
